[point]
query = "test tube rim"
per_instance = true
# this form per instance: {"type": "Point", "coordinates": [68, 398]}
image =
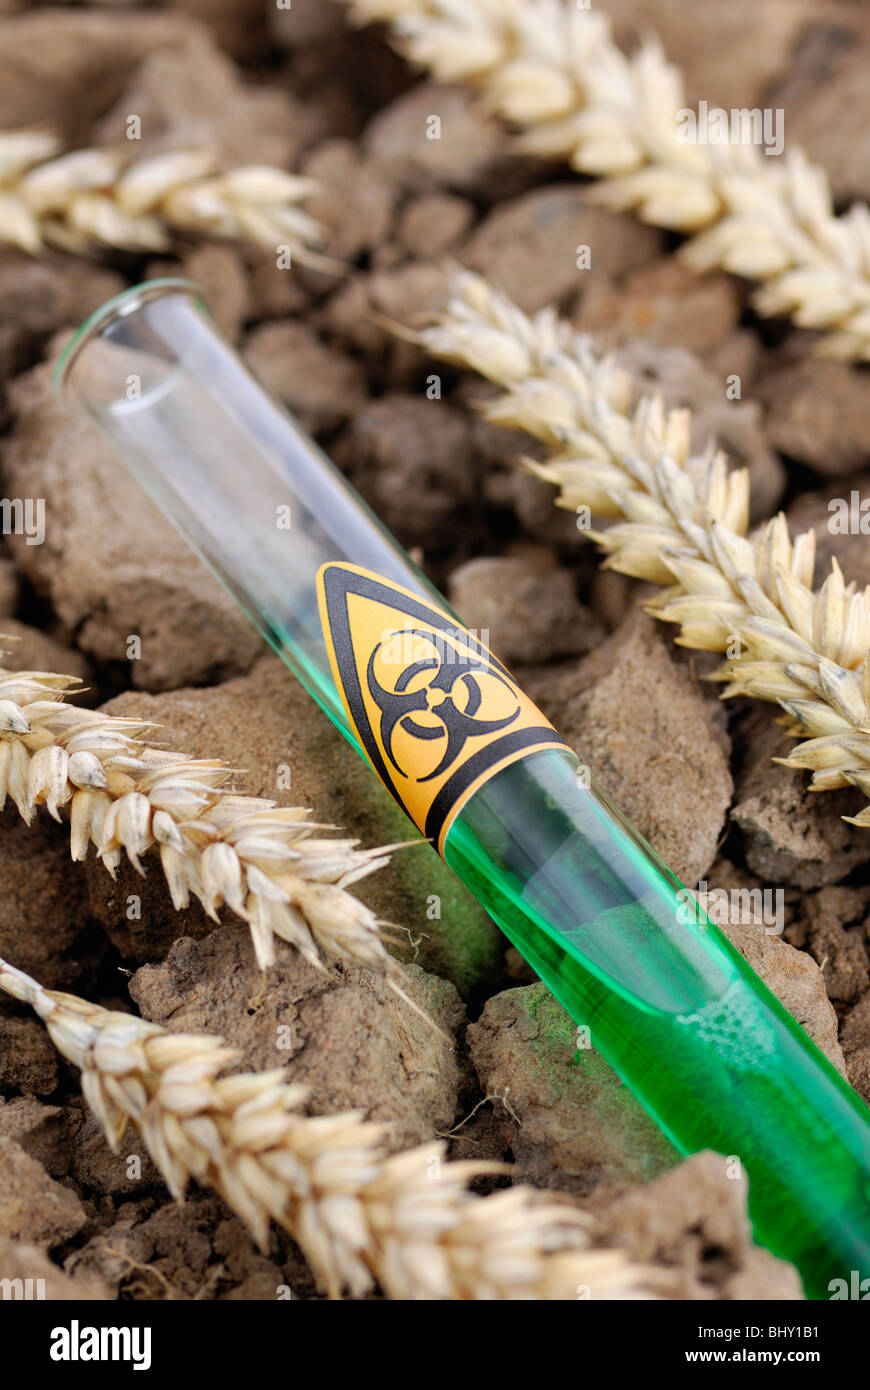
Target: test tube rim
{"type": "Point", "coordinates": [126, 302]}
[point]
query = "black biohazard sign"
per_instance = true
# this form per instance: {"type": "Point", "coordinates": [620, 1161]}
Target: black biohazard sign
{"type": "Point", "coordinates": [435, 712]}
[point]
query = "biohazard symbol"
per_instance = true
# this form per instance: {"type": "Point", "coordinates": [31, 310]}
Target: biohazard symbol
{"type": "Point", "coordinates": [452, 697]}
{"type": "Point", "coordinates": [434, 711]}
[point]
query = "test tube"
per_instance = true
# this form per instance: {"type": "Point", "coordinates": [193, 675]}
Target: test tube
{"type": "Point", "coordinates": [692, 1031]}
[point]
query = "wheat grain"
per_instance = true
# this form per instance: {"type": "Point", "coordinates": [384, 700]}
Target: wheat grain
{"type": "Point", "coordinates": [408, 1222]}
{"type": "Point", "coordinates": [679, 520]}
{"type": "Point", "coordinates": [267, 863]}
{"type": "Point", "coordinates": [554, 71]}
{"type": "Point", "coordinates": [92, 198]}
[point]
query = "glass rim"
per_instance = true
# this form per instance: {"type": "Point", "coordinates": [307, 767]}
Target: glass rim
{"type": "Point", "coordinates": [125, 302]}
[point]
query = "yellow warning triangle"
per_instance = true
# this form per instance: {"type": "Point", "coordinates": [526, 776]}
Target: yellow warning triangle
{"type": "Point", "coordinates": [435, 712]}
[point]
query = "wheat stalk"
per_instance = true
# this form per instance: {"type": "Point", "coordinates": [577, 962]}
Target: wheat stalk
{"type": "Point", "coordinates": [407, 1221]}
{"type": "Point", "coordinates": [265, 862]}
{"type": "Point", "coordinates": [679, 520]}
{"type": "Point", "coordinates": [554, 71]}
{"type": "Point", "coordinates": [101, 198]}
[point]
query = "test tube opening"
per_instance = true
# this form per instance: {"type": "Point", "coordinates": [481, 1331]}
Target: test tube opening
{"type": "Point", "coordinates": [123, 355]}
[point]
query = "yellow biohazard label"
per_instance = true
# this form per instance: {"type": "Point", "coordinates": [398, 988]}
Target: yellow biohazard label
{"type": "Point", "coordinates": [435, 712]}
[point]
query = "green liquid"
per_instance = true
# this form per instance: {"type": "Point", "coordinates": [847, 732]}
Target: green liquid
{"type": "Point", "coordinates": [673, 1007]}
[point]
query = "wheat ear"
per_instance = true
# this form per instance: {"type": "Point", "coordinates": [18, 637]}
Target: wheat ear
{"type": "Point", "coordinates": [265, 862]}
{"type": "Point", "coordinates": [554, 71]}
{"type": "Point", "coordinates": [679, 520]}
{"type": "Point", "coordinates": [407, 1222]}
{"type": "Point", "coordinates": [100, 198]}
